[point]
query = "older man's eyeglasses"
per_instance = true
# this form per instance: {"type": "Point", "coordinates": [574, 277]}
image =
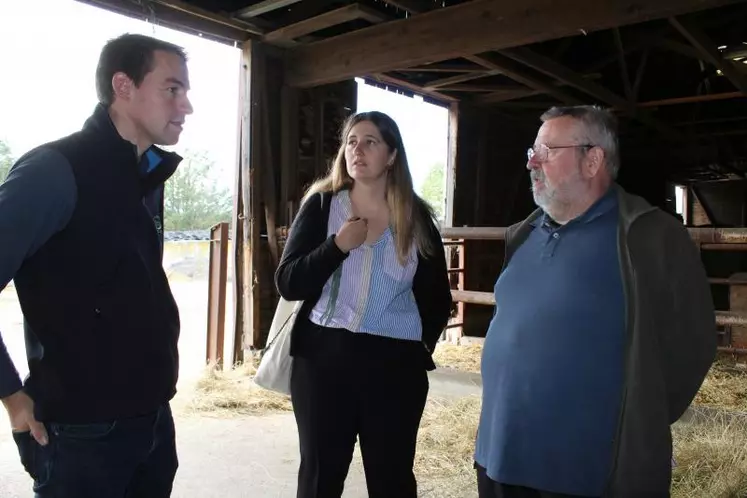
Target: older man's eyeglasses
{"type": "Point", "coordinates": [540, 152]}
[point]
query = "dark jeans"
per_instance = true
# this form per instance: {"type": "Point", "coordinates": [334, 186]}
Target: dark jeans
{"type": "Point", "coordinates": [374, 389]}
{"type": "Point", "coordinates": [488, 488]}
{"type": "Point", "coordinates": [127, 458]}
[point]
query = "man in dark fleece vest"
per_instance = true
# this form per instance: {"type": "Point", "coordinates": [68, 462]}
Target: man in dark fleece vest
{"type": "Point", "coordinates": [81, 230]}
{"type": "Point", "coordinates": [603, 329]}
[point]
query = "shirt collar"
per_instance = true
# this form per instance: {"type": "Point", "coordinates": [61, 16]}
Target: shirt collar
{"type": "Point", "coordinates": [603, 205]}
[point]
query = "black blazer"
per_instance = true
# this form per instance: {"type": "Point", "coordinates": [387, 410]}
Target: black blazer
{"type": "Point", "coordinates": [310, 258]}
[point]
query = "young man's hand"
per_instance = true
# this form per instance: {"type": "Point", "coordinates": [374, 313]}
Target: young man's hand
{"type": "Point", "coordinates": [21, 413]}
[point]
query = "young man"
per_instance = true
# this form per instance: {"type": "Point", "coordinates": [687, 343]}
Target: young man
{"type": "Point", "coordinates": [81, 223]}
{"type": "Point", "coordinates": [603, 331]}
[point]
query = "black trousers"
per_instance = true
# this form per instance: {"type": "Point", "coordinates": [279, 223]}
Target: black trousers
{"type": "Point", "coordinates": [488, 488]}
{"type": "Point", "coordinates": [358, 385]}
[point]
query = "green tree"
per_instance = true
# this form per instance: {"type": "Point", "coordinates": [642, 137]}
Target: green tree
{"type": "Point", "coordinates": [6, 160]}
{"type": "Point", "coordinates": [434, 188]}
{"type": "Point", "coordinates": [193, 198]}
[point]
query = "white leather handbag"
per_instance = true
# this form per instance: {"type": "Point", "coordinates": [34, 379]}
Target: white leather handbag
{"type": "Point", "coordinates": [274, 371]}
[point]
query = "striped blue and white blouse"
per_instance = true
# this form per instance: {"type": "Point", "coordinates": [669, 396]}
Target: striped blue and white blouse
{"type": "Point", "coordinates": [371, 292]}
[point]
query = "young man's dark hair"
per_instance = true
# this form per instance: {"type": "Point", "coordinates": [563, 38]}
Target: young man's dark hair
{"type": "Point", "coordinates": [132, 55]}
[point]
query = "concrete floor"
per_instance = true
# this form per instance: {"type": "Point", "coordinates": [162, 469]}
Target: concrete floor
{"type": "Point", "coordinates": [252, 457]}
{"type": "Point", "coordinates": [247, 457]}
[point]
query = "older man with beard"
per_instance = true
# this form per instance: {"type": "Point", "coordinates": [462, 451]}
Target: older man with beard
{"type": "Point", "coordinates": [602, 334]}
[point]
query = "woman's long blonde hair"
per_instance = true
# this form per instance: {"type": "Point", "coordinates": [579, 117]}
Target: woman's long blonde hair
{"type": "Point", "coordinates": [411, 217]}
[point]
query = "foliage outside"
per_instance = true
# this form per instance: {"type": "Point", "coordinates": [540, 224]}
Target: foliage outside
{"type": "Point", "coordinates": [193, 198]}
{"type": "Point", "coordinates": [6, 160]}
{"type": "Point", "coordinates": [434, 188]}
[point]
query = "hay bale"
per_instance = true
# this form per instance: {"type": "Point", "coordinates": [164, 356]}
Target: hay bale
{"type": "Point", "coordinates": [465, 358]}
{"type": "Point", "coordinates": [446, 445]}
{"type": "Point", "coordinates": [232, 393]}
{"type": "Point", "coordinates": [711, 458]}
{"type": "Point", "coordinates": [725, 386]}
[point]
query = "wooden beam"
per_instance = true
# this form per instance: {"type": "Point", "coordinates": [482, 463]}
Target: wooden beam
{"type": "Point", "coordinates": [624, 73]}
{"type": "Point", "coordinates": [734, 53]}
{"type": "Point", "coordinates": [517, 73]}
{"type": "Point", "coordinates": [441, 68]}
{"type": "Point", "coordinates": [571, 78]}
{"type": "Point", "coordinates": [167, 16]}
{"type": "Point", "coordinates": [391, 80]}
{"type": "Point", "coordinates": [639, 75]}
{"type": "Point", "coordinates": [475, 88]}
{"type": "Point", "coordinates": [506, 95]}
{"type": "Point", "coordinates": [468, 28]}
{"type": "Point", "coordinates": [246, 204]}
{"type": "Point", "coordinates": [249, 27]}
{"type": "Point", "coordinates": [692, 99]}
{"type": "Point", "coordinates": [707, 48]}
{"type": "Point", "coordinates": [678, 48]}
{"type": "Point", "coordinates": [326, 20]}
{"type": "Point", "coordinates": [635, 43]}
{"type": "Point", "coordinates": [253, 185]}
{"type": "Point", "coordinates": [460, 78]}
{"type": "Point", "coordinates": [451, 163]}
{"type": "Point", "coordinates": [412, 6]}
{"type": "Point", "coordinates": [264, 7]}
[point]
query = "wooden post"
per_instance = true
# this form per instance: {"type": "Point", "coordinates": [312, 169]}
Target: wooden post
{"type": "Point", "coordinates": [460, 286]}
{"type": "Point", "coordinates": [451, 164]}
{"type": "Point", "coordinates": [252, 185]}
{"type": "Point", "coordinates": [218, 268]}
{"type": "Point", "coordinates": [246, 203]}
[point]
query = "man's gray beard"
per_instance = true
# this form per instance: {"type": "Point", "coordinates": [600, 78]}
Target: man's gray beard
{"type": "Point", "coordinates": [544, 199]}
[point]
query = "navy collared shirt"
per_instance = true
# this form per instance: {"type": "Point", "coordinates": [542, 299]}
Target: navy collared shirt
{"type": "Point", "coordinates": [552, 364]}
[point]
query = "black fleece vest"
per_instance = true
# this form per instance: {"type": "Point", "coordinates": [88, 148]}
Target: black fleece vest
{"type": "Point", "coordinates": [95, 296]}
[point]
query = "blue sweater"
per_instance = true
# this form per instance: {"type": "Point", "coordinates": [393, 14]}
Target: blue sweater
{"type": "Point", "coordinates": [552, 365]}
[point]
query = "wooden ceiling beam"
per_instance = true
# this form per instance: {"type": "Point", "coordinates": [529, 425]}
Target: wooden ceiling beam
{"type": "Point", "coordinates": [624, 73]}
{"type": "Point", "coordinates": [468, 28]}
{"type": "Point", "coordinates": [385, 78]}
{"type": "Point", "coordinates": [186, 18]}
{"type": "Point", "coordinates": [475, 88]}
{"type": "Point", "coordinates": [692, 99]}
{"type": "Point", "coordinates": [734, 53]}
{"type": "Point", "coordinates": [412, 6]}
{"type": "Point", "coordinates": [507, 94]}
{"type": "Point", "coordinates": [460, 78]}
{"type": "Point", "coordinates": [709, 51]}
{"type": "Point", "coordinates": [519, 74]}
{"type": "Point", "coordinates": [263, 7]}
{"type": "Point", "coordinates": [441, 68]}
{"type": "Point", "coordinates": [326, 20]}
{"type": "Point", "coordinates": [571, 78]}
{"type": "Point", "coordinates": [678, 47]}
{"type": "Point", "coordinates": [639, 75]}
{"type": "Point", "coordinates": [249, 27]}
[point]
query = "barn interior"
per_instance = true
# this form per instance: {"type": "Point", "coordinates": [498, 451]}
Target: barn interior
{"type": "Point", "coordinates": [673, 71]}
